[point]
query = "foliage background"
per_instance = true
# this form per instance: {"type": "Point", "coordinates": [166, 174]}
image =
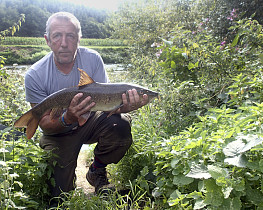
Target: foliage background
{"type": "Point", "coordinates": [37, 12]}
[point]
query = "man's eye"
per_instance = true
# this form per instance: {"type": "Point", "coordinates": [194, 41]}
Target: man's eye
{"type": "Point", "coordinates": [56, 37]}
{"type": "Point", "coordinates": [70, 36]}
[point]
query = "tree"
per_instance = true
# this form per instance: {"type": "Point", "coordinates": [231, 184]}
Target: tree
{"type": "Point", "coordinates": [38, 11]}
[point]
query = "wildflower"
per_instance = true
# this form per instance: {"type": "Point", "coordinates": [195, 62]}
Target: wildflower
{"type": "Point", "coordinates": [223, 43]}
{"type": "Point", "coordinates": [233, 15]}
{"type": "Point", "coordinates": [155, 44]}
{"type": "Point", "coordinates": [158, 54]}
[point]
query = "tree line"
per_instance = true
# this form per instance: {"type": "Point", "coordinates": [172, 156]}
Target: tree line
{"type": "Point", "coordinates": [37, 12]}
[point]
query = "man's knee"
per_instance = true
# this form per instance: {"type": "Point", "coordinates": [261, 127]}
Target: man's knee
{"type": "Point", "coordinates": [121, 126]}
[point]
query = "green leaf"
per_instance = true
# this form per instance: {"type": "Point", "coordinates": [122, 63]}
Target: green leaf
{"type": "Point", "coordinates": [217, 172]}
{"type": "Point", "coordinates": [156, 192]}
{"type": "Point", "coordinates": [235, 41]}
{"type": "Point", "coordinates": [176, 194]}
{"type": "Point", "coordinates": [199, 172]}
{"type": "Point", "coordinates": [214, 195]}
{"type": "Point", "coordinates": [232, 204]}
{"type": "Point", "coordinates": [173, 65]}
{"type": "Point", "coordinates": [144, 171]}
{"type": "Point", "coordinates": [234, 148]}
{"type": "Point", "coordinates": [226, 191]}
{"type": "Point", "coordinates": [261, 165]}
{"type": "Point", "coordinates": [174, 162]}
{"type": "Point", "coordinates": [240, 161]}
{"type": "Point", "coordinates": [195, 45]}
{"type": "Point", "coordinates": [191, 66]}
{"type": "Point", "coordinates": [182, 180]}
{"type": "Point", "coordinates": [199, 204]}
{"type": "Point", "coordinates": [254, 195]}
{"type": "Point", "coordinates": [253, 140]}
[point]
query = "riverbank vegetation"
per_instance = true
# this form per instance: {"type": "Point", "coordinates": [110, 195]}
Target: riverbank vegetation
{"type": "Point", "coordinates": [200, 146]}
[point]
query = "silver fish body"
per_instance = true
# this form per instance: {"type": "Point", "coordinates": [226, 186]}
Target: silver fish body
{"type": "Point", "coordinates": [107, 98]}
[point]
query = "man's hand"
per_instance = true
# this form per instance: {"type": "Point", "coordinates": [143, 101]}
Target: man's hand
{"type": "Point", "coordinates": [72, 115]}
{"type": "Point", "coordinates": [77, 108]}
{"type": "Point", "coordinates": [133, 103]}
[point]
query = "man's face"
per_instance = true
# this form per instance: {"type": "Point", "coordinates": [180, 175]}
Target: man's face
{"type": "Point", "coordinates": [63, 41]}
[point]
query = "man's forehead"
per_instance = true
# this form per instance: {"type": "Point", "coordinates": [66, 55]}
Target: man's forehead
{"type": "Point", "coordinates": [59, 24]}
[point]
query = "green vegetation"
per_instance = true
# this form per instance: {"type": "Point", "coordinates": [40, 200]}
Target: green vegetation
{"type": "Point", "coordinates": [40, 41]}
{"type": "Point", "coordinates": [201, 145]}
{"type": "Point", "coordinates": [28, 50]}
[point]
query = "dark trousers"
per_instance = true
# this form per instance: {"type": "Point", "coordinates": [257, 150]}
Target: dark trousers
{"type": "Point", "coordinates": [112, 135]}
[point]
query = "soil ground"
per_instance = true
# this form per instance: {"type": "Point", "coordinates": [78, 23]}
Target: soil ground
{"type": "Point", "coordinates": [81, 171]}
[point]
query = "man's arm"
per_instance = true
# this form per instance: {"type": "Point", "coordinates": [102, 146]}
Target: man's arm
{"type": "Point", "coordinates": [72, 115]}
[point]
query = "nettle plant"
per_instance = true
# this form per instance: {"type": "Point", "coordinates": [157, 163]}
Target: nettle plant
{"type": "Point", "coordinates": [216, 163]}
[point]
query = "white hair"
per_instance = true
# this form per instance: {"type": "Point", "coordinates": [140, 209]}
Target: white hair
{"type": "Point", "coordinates": [66, 16]}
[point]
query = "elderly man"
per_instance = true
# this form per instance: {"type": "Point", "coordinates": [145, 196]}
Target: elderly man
{"type": "Point", "coordinates": [64, 136]}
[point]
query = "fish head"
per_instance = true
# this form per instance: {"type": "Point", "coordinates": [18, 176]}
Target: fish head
{"type": "Point", "coordinates": [151, 94]}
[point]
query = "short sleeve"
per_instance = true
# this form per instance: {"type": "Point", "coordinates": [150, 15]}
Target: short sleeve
{"type": "Point", "coordinates": [100, 74]}
{"type": "Point", "coordinates": [34, 92]}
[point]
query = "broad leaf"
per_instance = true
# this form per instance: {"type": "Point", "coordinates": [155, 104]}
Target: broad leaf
{"type": "Point", "coordinates": [234, 148]}
{"type": "Point", "coordinates": [199, 172]}
{"type": "Point", "coordinates": [238, 147]}
{"type": "Point", "coordinates": [240, 160]}
{"type": "Point", "coordinates": [182, 180]}
{"type": "Point", "coordinates": [253, 140]}
{"type": "Point", "coordinates": [214, 195]}
{"type": "Point", "coordinates": [217, 172]}
{"type": "Point", "coordinates": [199, 204]}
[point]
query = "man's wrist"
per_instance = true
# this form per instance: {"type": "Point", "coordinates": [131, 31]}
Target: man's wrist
{"type": "Point", "coordinates": [62, 120]}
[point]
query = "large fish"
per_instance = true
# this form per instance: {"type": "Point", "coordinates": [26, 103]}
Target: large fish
{"type": "Point", "coordinates": [107, 96]}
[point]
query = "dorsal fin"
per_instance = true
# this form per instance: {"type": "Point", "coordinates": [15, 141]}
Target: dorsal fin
{"type": "Point", "coordinates": [85, 79]}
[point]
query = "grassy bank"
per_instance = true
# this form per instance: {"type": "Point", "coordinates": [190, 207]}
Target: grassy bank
{"type": "Point", "coordinates": [28, 50]}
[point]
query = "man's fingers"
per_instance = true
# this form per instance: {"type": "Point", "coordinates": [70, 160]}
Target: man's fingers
{"type": "Point", "coordinates": [145, 100]}
{"type": "Point", "coordinates": [76, 99]}
{"type": "Point", "coordinates": [124, 99]}
{"type": "Point", "coordinates": [86, 108]}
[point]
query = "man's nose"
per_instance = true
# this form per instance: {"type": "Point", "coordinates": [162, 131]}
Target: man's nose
{"type": "Point", "coordinates": [64, 42]}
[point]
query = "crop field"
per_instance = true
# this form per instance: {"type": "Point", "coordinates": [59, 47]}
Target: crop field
{"type": "Point", "coordinates": [28, 50]}
{"type": "Point", "coordinates": [41, 41]}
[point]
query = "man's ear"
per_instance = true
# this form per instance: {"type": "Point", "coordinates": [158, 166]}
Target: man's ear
{"type": "Point", "coordinates": [47, 41]}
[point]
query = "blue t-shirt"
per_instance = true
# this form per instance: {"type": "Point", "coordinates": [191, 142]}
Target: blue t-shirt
{"type": "Point", "coordinates": [43, 78]}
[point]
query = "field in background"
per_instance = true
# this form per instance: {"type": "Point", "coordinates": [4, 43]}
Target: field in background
{"type": "Point", "coordinates": [28, 50]}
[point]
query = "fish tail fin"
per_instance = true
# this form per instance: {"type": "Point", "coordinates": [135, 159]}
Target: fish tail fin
{"type": "Point", "coordinates": [30, 122]}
